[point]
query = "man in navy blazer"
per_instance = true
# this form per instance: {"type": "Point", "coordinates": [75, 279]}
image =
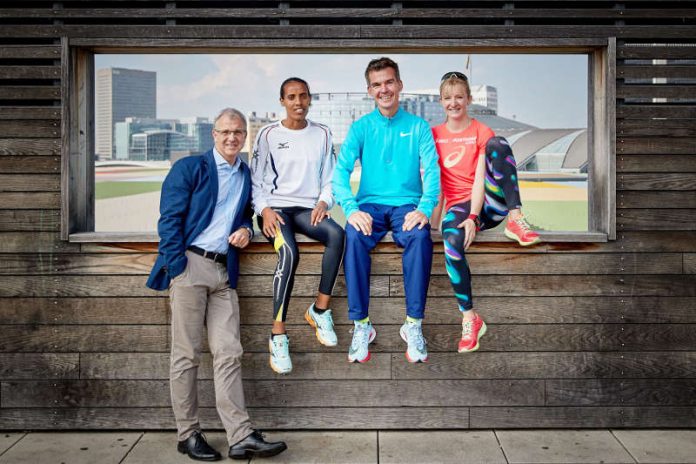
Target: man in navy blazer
{"type": "Point", "coordinates": [205, 219]}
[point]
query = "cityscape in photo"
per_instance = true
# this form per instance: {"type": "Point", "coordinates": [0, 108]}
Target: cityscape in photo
{"type": "Point", "coordinates": [134, 148]}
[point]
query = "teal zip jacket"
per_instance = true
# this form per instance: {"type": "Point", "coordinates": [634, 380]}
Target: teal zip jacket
{"type": "Point", "coordinates": [392, 152]}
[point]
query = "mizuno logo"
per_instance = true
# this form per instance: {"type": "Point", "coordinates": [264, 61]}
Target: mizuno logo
{"type": "Point", "coordinates": [282, 145]}
{"type": "Point", "coordinates": [404, 134]}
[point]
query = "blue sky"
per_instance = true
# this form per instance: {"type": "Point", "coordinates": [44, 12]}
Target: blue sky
{"type": "Point", "coordinates": [548, 91]}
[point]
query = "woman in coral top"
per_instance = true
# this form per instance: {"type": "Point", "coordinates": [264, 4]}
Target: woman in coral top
{"type": "Point", "coordinates": [479, 188]}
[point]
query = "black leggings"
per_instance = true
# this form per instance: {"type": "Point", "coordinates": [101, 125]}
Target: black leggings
{"type": "Point", "coordinates": [502, 194]}
{"type": "Point", "coordinates": [330, 234]}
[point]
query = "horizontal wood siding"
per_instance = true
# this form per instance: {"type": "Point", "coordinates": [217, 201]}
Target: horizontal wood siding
{"type": "Point", "coordinates": [580, 334]}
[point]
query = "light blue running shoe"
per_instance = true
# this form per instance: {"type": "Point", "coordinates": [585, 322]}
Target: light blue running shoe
{"type": "Point", "coordinates": [323, 325]}
{"type": "Point", "coordinates": [412, 334]}
{"type": "Point", "coordinates": [363, 335]}
{"type": "Point", "coordinates": [279, 346]}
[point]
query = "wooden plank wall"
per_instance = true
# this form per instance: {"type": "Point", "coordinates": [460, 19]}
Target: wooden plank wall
{"type": "Point", "coordinates": [581, 335]}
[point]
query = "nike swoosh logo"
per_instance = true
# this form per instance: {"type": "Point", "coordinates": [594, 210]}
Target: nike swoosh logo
{"type": "Point", "coordinates": [404, 134]}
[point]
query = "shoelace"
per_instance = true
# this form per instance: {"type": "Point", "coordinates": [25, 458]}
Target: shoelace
{"type": "Point", "coordinates": [416, 336]}
{"type": "Point", "coordinates": [361, 337]}
{"type": "Point", "coordinates": [202, 435]}
{"type": "Point", "coordinates": [327, 318]}
{"type": "Point", "coordinates": [522, 222]}
{"type": "Point", "coordinates": [259, 434]}
{"type": "Point", "coordinates": [278, 352]}
{"type": "Point", "coordinates": [467, 328]}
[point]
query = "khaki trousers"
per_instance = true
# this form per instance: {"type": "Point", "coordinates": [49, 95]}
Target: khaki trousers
{"type": "Point", "coordinates": [201, 297]}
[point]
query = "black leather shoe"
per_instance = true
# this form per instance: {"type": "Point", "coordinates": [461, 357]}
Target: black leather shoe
{"type": "Point", "coordinates": [254, 445]}
{"type": "Point", "coordinates": [197, 448]}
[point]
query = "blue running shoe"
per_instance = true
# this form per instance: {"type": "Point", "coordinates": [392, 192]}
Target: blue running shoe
{"type": "Point", "coordinates": [279, 346]}
{"type": "Point", "coordinates": [363, 335]}
{"type": "Point", "coordinates": [323, 326]}
{"type": "Point", "coordinates": [412, 334]}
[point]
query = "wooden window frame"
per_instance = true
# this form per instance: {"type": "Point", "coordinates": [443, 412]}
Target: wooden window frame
{"type": "Point", "coordinates": [77, 149]}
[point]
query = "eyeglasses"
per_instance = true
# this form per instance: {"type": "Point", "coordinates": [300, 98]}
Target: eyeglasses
{"type": "Point", "coordinates": [455, 74]}
{"type": "Point", "coordinates": [227, 133]}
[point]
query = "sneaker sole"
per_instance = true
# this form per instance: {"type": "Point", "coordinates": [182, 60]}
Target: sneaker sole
{"type": "Point", "coordinates": [277, 371]}
{"type": "Point", "coordinates": [311, 322]}
{"type": "Point", "coordinates": [408, 358]}
{"type": "Point", "coordinates": [481, 333]}
{"type": "Point", "coordinates": [364, 360]}
{"type": "Point", "coordinates": [514, 237]}
{"type": "Point", "coordinates": [373, 335]}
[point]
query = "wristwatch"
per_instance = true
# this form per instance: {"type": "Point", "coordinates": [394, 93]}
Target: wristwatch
{"type": "Point", "coordinates": [477, 221]}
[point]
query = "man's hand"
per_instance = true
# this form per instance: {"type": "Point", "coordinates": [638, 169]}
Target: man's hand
{"type": "Point", "coordinates": [319, 213]}
{"type": "Point", "coordinates": [469, 231]}
{"type": "Point", "coordinates": [240, 237]}
{"type": "Point", "coordinates": [413, 219]}
{"type": "Point", "coordinates": [361, 221]}
{"type": "Point", "coordinates": [271, 219]}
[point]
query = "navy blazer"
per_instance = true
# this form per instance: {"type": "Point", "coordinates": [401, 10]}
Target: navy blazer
{"type": "Point", "coordinates": [189, 194]}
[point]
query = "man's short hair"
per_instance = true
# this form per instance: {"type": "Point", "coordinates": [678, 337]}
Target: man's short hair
{"type": "Point", "coordinates": [231, 113]}
{"type": "Point", "coordinates": [379, 64]}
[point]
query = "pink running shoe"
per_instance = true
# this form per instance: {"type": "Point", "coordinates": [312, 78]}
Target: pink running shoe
{"type": "Point", "coordinates": [471, 332]}
{"type": "Point", "coordinates": [520, 231]}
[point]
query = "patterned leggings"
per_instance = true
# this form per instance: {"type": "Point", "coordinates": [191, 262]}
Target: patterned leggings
{"type": "Point", "coordinates": [501, 195]}
{"type": "Point", "coordinates": [330, 234]}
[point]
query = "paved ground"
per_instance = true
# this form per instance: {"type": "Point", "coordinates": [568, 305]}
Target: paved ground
{"type": "Point", "coordinates": [483, 446]}
{"type": "Point", "coordinates": [132, 213]}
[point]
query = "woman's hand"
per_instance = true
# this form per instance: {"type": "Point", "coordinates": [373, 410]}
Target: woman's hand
{"type": "Point", "coordinates": [271, 221]}
{"type": "Point", "coordinates": [469, 231]}
{"type": "Point", "coordinates": [319, 213]}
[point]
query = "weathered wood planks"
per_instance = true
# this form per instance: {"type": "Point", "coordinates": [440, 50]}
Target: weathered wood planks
{"type": "Point", "coordinates": [257, 264]}
{"type": "Point", "coordinates": [581, 334]}
{"type": "Point", "coordinates": [441, 338]}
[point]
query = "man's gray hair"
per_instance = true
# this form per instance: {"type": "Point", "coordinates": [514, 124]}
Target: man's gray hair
{"type": "Point", "coordinates": [231, 113]}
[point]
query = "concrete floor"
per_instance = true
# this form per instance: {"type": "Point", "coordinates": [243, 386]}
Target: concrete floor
{"type": "Point", "coordinates": [383, 447]}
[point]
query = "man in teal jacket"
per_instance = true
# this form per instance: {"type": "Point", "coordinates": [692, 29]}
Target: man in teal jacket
{"type": "Point", "coordinates": [392, 146]}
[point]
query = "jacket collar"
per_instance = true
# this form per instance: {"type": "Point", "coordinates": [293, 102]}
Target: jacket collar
{"type": "Point", "coordinates": [209, 159]}
{"type": "Point", "coordinates": [385, 120]}
{"type": "Point", "coordinates": [220, 161]}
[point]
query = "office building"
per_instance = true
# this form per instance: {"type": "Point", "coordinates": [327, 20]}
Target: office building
{"type": "Point", "coordinates": [254, 124]}
{"type": "Point", "coordinates": [339, 110]}
{"type": "Point", "coordinates": [124, 131]}
{"type": "Point", "coordinates": [121, 93]}
{"type": "Point", "coordinates": [485, 95]}
{"type": "Point", "coordinates": [161, 145]}
{"type": "Point", "coordinates": [199, 129]}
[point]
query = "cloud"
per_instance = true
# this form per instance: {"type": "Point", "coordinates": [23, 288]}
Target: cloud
{"type": "Point", "coordinates": [544, 90]}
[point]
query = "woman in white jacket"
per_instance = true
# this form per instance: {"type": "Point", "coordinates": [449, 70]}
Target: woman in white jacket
{"type": "Point", "coordinates": [291, 166]}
